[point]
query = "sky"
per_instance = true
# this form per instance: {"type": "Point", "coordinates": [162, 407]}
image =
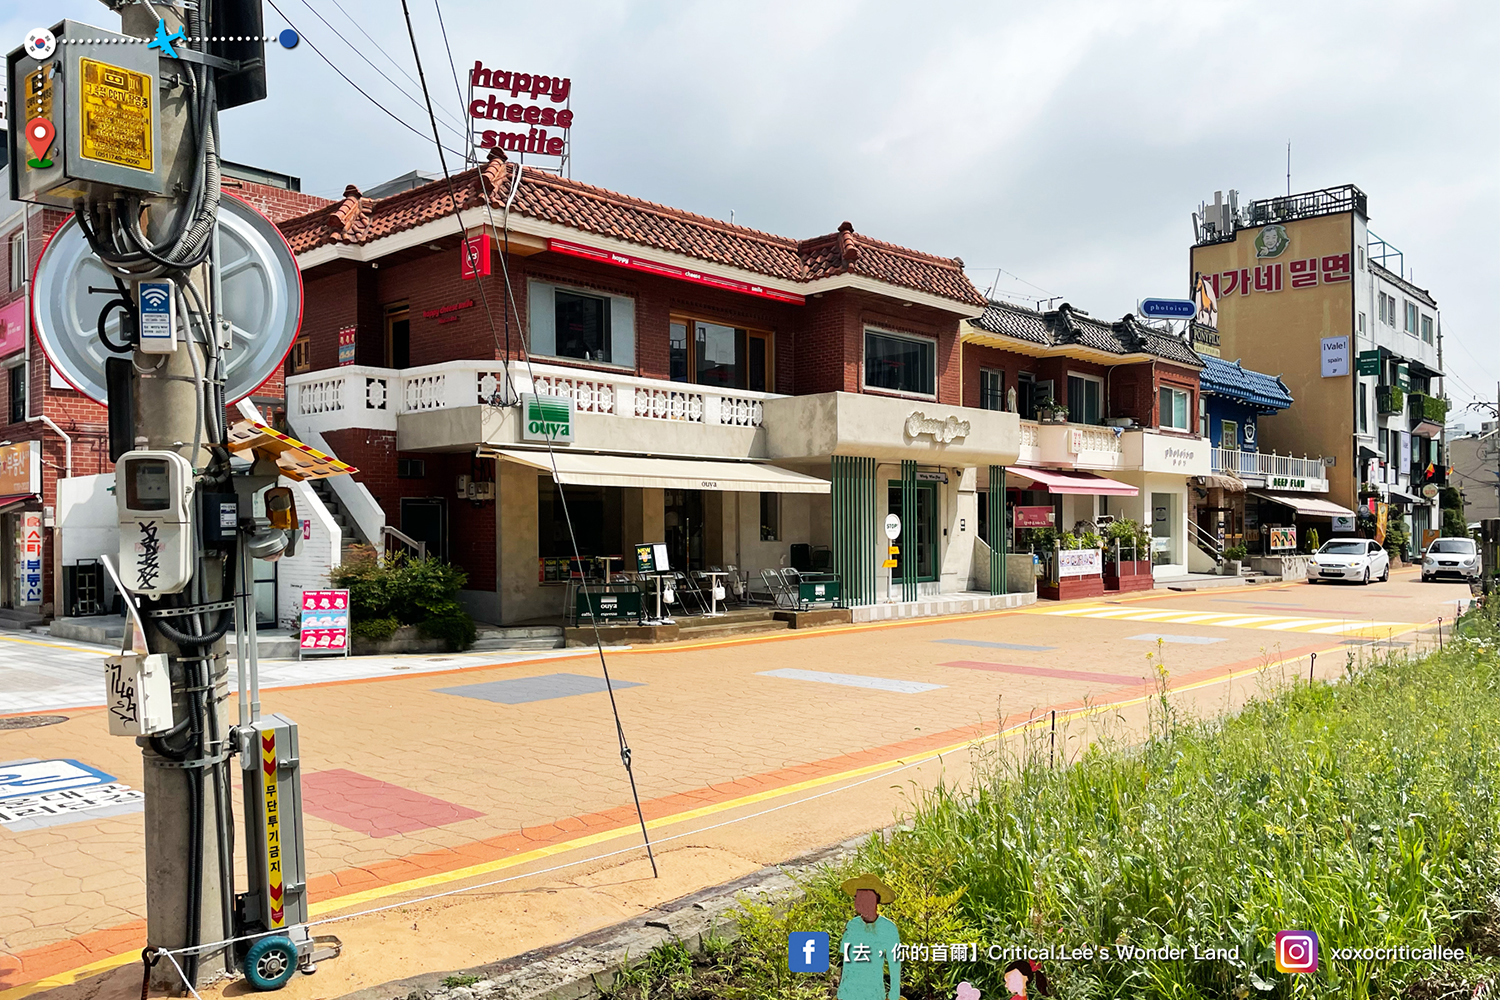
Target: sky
{"type": "Point", "coordinates": [1058, 148]}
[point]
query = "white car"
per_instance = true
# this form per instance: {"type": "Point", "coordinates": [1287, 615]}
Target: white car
{"type": "Point", "coordinates": [1451, 557]}
{"type": "Point", "coordinates": [1350, 559]}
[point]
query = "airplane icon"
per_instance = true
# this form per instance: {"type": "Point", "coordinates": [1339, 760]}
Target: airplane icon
{"type": "Point", "coordinates": [164, 41]}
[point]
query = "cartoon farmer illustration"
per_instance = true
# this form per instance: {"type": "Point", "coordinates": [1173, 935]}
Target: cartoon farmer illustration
{"type": "Point", "coordinates": [869, 944]}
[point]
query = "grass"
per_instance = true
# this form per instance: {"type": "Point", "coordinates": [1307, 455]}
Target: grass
{"type": "Point", "coordinates": [1365, 810]}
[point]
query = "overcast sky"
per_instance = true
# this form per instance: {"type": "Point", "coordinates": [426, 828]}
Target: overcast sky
{"type": "Point", "coordinates": [1065, 142]}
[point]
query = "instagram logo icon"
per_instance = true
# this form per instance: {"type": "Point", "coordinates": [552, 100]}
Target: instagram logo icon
{"type": "Point", "coordinates": [1296, 951]}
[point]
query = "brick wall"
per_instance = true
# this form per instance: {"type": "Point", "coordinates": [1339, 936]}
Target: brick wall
{"type": "Point", "coordinates": [1132, 393]}
{"type": "Point", "coordinates": [978, 356]}
{"type": "Point", "coordinates": [275, 203]}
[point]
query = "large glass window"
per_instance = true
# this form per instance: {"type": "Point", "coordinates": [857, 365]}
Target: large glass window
{"type": "Point", "coordinates": [918, 538]}
{"type": "Point", "coordinates": [1427, 329]}
{"type": "Point", "coordinates": [719, 352]}
{"type": "Point", "coordinates": [770, 517]}
{"type": "Point", "coordinates": [1411, 318]}
{"type": "Point", "coordinates": [714, 354]}
{"type": "Point", "coordinates": [1173, 404]}
{"type": "Point", "coordinates": [1085, 400]}
{"type": "Point", "coordinates": [17, 378]}
{"type": "Point", "coordinates": [900, 364]}
{"type": "Point", "coordinates": [1364, 408]}
{"type": "Point", "coordinates": [991, 389]}
{"type": "Point", "coordinates": [582, 326]}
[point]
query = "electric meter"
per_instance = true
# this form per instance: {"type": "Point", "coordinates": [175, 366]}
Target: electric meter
{"type": "Point", "coordinates": [154, 493]}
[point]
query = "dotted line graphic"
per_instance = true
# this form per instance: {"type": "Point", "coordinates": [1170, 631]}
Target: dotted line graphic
{"type": "Point", "coordinates": [144, 41]}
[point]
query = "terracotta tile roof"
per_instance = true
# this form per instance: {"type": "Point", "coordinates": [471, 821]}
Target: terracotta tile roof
{"type": "Point", "coordinates": [1066, 325]}
{"type": "Point", "coordinates": [358, 220]}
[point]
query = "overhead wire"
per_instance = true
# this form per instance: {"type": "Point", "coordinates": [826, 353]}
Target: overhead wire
{"type": "Point", "coordinates": [624, 746]}
{"type": "Point", "coordinates": [331, 65]}
{"type": "Point", "coordinates": [458, 90]}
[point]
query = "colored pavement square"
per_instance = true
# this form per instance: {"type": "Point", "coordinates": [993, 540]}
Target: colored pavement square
{"type": "Point", "coordinates": [1189, 640]}
{"type": "Point", "coordinates": [368, 805]}
{"type": "Point", "coordinates": [1026, 671]}
{"type": "Point", "coordinates": [852, 680]}
{"type": "Point", "coordinates": [520, 690]}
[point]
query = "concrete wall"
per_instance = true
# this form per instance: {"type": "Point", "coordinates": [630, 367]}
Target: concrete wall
{"type": "Point", "coordinates": [842, 423]}
{"type": "Point", "coordinates": [321, 550]}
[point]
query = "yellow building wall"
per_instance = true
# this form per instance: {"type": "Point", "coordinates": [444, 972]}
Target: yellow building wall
{"type": "Point", "coordinates": [1281, 333]}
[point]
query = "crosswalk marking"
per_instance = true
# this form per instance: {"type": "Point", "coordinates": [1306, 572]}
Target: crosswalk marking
{"type": "Point", "coordinates": [1351, 626]}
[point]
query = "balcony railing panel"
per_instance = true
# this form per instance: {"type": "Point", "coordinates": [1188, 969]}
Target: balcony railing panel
{"type": "Point", "coordinates": [1234, 461]}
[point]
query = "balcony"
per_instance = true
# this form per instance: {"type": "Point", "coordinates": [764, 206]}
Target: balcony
{"type": "Point", "coordinates": [1278, 472]}
{"type": "Point", "coordinates": [1092, 448]}
{"type": "Point", "coordinates": [1427, 414]}
{"type": "Point", "coordinates": [457, 405]}
{"type": "Point", "coordinates": [1389, 399]}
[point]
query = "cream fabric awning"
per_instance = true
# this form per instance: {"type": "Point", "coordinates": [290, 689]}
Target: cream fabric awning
{"type": "Point", "coordinates": [580, 469]}
{"type": "Point", "coordinates": [1306, 505]}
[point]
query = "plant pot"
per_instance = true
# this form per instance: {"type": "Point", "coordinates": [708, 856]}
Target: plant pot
{"type": "Point", "coordinates": [1128, 575]}
{"type": "Point", "coordinates": [1071, 588]}
{"type": "Point", "coordinates": [1232, 567]}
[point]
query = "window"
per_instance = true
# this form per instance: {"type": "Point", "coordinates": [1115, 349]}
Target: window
{"type": "Point", "coordinates": [770, 517]}
{"type": "Point", "coordinates": [411, 468]}
{"type": "Point", "coordinates": [900, 364]}
{"type": "Point", "coordinates": [1361, 324]}
{"type": "Point", "coordinates": [581, 326]}
{"type": "Point", "coordinates": [16, 245]}
{"type": "Point", "coordinates": [17, 381]}
{"type": "Point", "coordinates": [1411, 318]}
{"type": "Point", "coordinates": [1364, 408]}
{"type": "Point", "coordinates": [1360, 257]}
{"type": "Point", "coordinates": [1086, 400]}
{"type": "Point", "coordinates": [1026, 395]}
{"type": "Point", "coordinates": [1173, 404]}
{"type": "Point", "coordinates": [301, 355]}
{"type": "Point", "coordinates": [1385, 441]}
{"type": "Point", "coordinates": [1229, 434]}
{"type": "Point", "coordinates": [1202, 415]}
{"type": "Point", "coordinates": [715, 354]}
{"type": "Point", "coordinates": [991, 389]}
{"type": "Point", "coordinates": [397, 336]}
{"type": "Point", "coordinates": [1427, 329]}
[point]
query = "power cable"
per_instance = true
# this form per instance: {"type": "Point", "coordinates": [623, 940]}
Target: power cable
{"type": "Point", "coordinates": [625, 754]}
{"type": "Point", "coordinates": [457, 89]}
{"type": "Point", "coordinates": [394, 62]}
{"type": "Point", "coordinates": [462, 134]}
{"type": "Point", "coordinates": [389, 113]}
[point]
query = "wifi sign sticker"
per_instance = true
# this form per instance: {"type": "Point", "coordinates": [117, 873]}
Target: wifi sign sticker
{"type": "Point", "coordinates": [158, 317]}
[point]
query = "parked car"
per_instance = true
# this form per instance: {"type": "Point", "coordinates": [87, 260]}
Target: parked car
{"type": "Point", "coordinates": [1350, 559]}
{"type": "Point", "coordinates": [1457, 557]}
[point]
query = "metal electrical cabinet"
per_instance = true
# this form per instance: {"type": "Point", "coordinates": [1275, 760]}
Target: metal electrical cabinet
{"type": "Point", "coordinates": [117, 118]}
{"type": "Point", "coordinates": [275, 863]}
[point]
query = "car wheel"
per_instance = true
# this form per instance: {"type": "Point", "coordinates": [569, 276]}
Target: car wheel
{"type": "Point", "coordinates": [1385, 576]}
{"type": "Point", "coordinates": [1366, 580]}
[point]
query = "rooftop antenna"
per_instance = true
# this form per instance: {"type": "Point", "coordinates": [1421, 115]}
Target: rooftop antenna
{"type": "Point", "coordinates": [1289, 168]}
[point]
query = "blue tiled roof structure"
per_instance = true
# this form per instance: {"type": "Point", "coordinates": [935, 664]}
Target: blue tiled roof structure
{"type": "Point", "coordinates": [1234, 381]}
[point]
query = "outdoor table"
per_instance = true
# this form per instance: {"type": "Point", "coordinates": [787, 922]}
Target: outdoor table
{"type": "Point", "coordinates": [714, 576]}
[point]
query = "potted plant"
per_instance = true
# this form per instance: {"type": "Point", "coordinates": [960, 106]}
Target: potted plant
{"type": "Point", "coordinates": [1313, 542]}
{"type": "Point", "coordinates": [1049, 411]}
{"type": "Point", "coordinates": [1127, 556]}
{"type": "Point", "coordinates": [1234, 556]}
{"type": "Point", "coordinates": [1069, 587]}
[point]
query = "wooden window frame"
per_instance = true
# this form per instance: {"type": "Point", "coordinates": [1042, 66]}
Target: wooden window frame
{"type": "Point", "coordinates": [751, 333]}
{"type": "Point", "coordinates": [393, 313]}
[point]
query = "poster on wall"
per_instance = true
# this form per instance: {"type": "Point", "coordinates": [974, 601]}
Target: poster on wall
{"type": "Point", "coordinates": [1034, 517]}
{"type": "Point", "coordinates": [1283, 539]}
{"type": "Point", "coordinates": [1335, 356]}
{"type": "Point", "coordinates": [346, 345]}
{"type": "Point", "coordinates": [1080, 562]}
{"type": "Point", "coordinates": [1382, 513]}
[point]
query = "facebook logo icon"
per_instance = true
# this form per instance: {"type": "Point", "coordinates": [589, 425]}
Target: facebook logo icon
{"type": "Point", "coordinates": [807, 951]}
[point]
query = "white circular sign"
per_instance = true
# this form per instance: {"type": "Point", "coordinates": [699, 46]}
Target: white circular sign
{"type": "Point", "coordinates": [261, 301]}
{"type": "Point", "coordinates": [892, 526]}
{"type": "Point", "coordinates": [40, 43]}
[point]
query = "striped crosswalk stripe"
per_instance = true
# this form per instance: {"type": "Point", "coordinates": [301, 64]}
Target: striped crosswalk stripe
{"type": "Point", "coordinates": [1279, 623]}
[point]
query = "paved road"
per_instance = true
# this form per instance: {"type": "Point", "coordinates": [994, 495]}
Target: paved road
{"type": "Point", "coordinates": [459, 771]}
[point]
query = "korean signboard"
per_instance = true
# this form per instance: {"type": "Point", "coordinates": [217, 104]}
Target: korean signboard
{"type": "Point", "coordinates": [523, 108]}
{"type": "Point", "coordinates": [20, 468]}
{"type": "Point", "coordinates": [1034, 517]}
{"type": "Point", "coordinates": [325, 622]}
{"type": "Point", "coordinates": [1080, 562]}
{"type": "Point", "coordinates": [31, 558]}
{"type": "Point", "coordinates": [474, 256]}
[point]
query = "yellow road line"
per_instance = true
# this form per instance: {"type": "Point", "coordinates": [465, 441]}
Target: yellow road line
{"type": "Point", "coordinates": [458, 874]}
{"type": "Point", "coordinates": [52, 645]}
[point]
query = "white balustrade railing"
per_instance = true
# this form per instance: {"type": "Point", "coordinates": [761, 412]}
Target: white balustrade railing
{"type": "Point", "coordinates": [1234, 461]}
{"type": "Point", "coordinates": [1086, 437]}
{"type": "Point", "coordinates": [357, 396]}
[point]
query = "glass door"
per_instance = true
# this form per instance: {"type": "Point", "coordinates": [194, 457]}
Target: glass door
{"type": "Point", "coordinates": [918, 531]}
{"type": "Point", "coordinates": [683, 518]}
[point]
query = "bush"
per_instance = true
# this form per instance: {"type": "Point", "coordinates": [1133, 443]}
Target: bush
{"type": "Point", "coordinates": [1312, 540]}
{"type": "Point", "coordinates": [403, 591]}
{"type": "Point", "coordinates": [1128, 533]}
{"type": "Point", "coordinates": [1397, 538]}
{"type": "Point", "coordinates": [1235, 553]}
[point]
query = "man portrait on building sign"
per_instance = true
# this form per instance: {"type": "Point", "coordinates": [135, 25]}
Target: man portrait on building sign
{"type": "Point", "coordinates": [869, 944]}
{"type": "Point", "coordinates": [1271, 241]}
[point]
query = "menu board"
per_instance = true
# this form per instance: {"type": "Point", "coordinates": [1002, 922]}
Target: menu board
{"type": "Point", "coordinates": [325, 622]}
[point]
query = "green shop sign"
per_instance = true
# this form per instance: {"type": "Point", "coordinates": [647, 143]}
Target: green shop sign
{"type": "Point", "coordinates": [1369, 362]}
{"type": "Point", "coordinates": [546, 418]}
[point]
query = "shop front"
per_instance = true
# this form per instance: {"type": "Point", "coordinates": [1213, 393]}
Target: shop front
{"type": "Point", "coordinates": [1159, 465]}
{"type": "Point", "coordinates": [21, 526]}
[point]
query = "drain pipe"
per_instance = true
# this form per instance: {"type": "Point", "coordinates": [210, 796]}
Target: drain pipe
{"type": "Point", "coordinates": [67, 442]}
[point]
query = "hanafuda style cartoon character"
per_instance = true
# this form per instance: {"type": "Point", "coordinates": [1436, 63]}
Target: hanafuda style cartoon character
{"type": "Point", "coordinates": [869, 945]}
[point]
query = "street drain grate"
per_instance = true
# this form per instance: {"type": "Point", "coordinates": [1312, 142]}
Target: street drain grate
{"type": "Point", "coordinates": [31, 721]}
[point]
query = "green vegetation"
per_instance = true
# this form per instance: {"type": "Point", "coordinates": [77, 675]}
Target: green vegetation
{"type": "Point", "coordinates": [401, 591]}
{"type": "Point", "coordinates": [1129, 533]}
{"type": "Point", "coordinates": [1366, 810]}
{"type": "Point", "coordinates": [1235, 553]}
{"type": "Point", "coordinates": [1397, 538]}
{"type": "Point", "coordinates": [1451, 501]}
{"type": "Point", "coordinates": [456, 980]}
{"type": "Point", "coordinates": [1313, 541]}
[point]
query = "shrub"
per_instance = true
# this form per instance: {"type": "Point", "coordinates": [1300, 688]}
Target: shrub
{"type": "Point", "coordinates": [1397, 538]}
{"type": "Point", "coordinates": [1312, 540]}
{"type": "Point", "coordinates": [403, 591]}
{"type": "Point", "coordinates": [1235, 553]}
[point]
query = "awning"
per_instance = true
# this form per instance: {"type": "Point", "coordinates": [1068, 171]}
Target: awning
{"type": "Point", "coordinates": [15, 500]}
{"type": "Point", "coordinates": [580, 469]}
{"type": "Point", "coordinates": [1397, 496]}
{"type": "Point", "coordinates": [1232, 484]}
{"type": "Point", "coordinates": [1064, 481]}
{"type": "Point", "coordinates": [1307, 506]}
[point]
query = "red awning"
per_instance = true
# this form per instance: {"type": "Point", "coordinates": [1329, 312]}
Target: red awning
{"type": "Point", "coordinates": [1063, 481]}
{"type": "Point", "coordinates": [15, 500]}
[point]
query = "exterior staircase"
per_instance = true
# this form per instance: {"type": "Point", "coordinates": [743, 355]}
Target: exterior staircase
{"type": "Point", "coordinates": [748, 621]}
{"type": "Point", "coordinates": [515, 638]}
{"type": "Point", "coordinates": [348, 529]}
{"type": "Point", "coordinates": [17, 620]}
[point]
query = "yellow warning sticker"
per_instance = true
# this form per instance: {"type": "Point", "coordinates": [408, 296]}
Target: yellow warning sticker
{"type": "Point", "coordinates": [115, 113]}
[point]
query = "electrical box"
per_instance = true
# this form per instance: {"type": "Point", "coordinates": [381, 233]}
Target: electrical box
{"type": "Point", "coordinates": [276, 864]}
{"type": "Point", "coordinates": [481, 491]}
{"type": "Point", "coordinates": [138, 694]}
{"type": "Point", "coordinates": [154, 495]}
{"type": "Point", "coordinates": [96, 116]}
{"type": "Point", "coordinates": [221, 518]}
{"type": "Point", "coordinates": [463, 487]}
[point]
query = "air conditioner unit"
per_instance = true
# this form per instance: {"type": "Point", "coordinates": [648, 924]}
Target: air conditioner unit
{"type": "Point", "coordinates": [465, 487]}
{"type": "Point", "coordinates": [481, 491]}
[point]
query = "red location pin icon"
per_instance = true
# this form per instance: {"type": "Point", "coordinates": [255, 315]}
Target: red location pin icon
{"type": "Point", "coordinates": [39, 135]}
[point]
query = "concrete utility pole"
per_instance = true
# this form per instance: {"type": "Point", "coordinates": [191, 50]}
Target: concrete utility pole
{"type": "Point", "coordinates": [184, 833]}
